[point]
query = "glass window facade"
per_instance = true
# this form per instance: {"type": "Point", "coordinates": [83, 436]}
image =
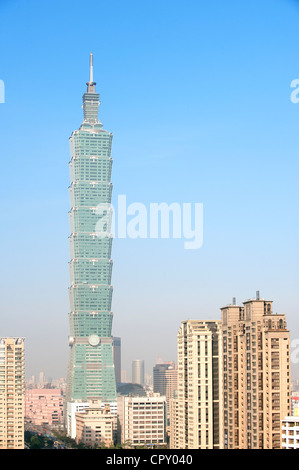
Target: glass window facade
{"type": "Point", "coordinates": [91, 368]}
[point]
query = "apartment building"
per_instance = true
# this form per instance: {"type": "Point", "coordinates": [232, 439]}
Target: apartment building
{"type": "Point", "coordinates": [198, 422]}
{"type": "Point", "coordinates": [256, 374]}
{"type": "Point", "coordinates": [12, 390]}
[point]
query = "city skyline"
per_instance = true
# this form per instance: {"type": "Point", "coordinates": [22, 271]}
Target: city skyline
{"type": "Point", "coordinates": [201, 113]}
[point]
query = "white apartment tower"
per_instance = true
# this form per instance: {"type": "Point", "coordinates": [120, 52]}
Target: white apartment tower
{"type": "Point", "coordinates": [199, 403]}
{"type": "Point", "coordinates": [12, 393]}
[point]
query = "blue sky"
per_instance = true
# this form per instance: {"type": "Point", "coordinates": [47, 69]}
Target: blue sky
{"type": "Point", "coordinates": [197, 95]}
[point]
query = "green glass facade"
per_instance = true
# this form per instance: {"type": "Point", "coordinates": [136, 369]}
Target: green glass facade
{"type": "Point", "coordinates": [91, 368]}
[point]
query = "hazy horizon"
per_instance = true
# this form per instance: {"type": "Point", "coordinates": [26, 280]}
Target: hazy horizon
{"type": "Point", "coordinates": [198, 97]}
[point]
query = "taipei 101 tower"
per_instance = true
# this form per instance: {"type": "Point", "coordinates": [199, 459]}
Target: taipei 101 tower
{"type": "Point", "coordinates": [91, 369]}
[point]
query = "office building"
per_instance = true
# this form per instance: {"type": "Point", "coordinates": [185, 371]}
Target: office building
{"type": "Point", "coordinates": [159, 378]}
{"type": "Point", "coordinates": [256, 373]}
{"type": "Point", "coordinates": [165, 381]}
{"type": "Point", "coordinates": [142, 420]}
{"type": "Point", "coordinates": [91, 373]}
{"type": "Point", "coordinates": [12, 392]}
{"type": "Point", "coordinates": [138, 372]}
{"type": "Point", "coordinates": [198, 424]}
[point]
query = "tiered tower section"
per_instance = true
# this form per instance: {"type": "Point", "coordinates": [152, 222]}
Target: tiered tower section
{"type": "Point", "coordinates": [91, 369]}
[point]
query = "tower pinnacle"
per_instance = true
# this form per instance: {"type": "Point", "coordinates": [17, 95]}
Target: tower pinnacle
{"type": "Point", "coordinates": [91, 84]}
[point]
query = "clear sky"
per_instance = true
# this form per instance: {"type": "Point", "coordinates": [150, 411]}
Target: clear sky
{"type": "Point", "coordinates": [197, 95]}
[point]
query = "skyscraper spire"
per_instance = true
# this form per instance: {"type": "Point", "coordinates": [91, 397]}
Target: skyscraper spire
{"type": "Point", "coordinates": [91, 99]}
{"type": "Point", "coordinates": [91, 68]}
{"type": "Point", "coordinates": [91, 84]}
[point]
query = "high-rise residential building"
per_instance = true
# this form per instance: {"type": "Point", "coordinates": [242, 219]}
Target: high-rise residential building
{"type": "Point", "coordinates": [142, 420]}
{"type": "Point", "coordinates": [198, 410]}
{"type": "Point", "coordinates": [256, 374]}
{"type": "Point", "coordinates": [138, 371]}
{"type": "Point", "coordinates": [174, 422]}
{"type": "Point", "coordinates": [91, 373]}
{"type": "Point", "coordinates": [165, 381]}
{"type": "Point", "coordinates": [117, 358]}
{"type": "Point", "coordinates": [12, 392]}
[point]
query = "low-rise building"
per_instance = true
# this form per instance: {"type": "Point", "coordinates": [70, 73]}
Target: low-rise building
{"type": "Point", "coordinates": [94, 426]}
{"type": "Point", "coordinates": [44, 406]}
{"type": "Point", "coordinates": [290, 432]}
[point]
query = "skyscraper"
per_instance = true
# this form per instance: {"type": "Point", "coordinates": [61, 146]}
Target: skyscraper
{"type": "Point", "coordinates": [138, 371]}
{"type": "Point", "coordinates": [91, 369]}
{"type": "Point", "coordinates": [165, 381]}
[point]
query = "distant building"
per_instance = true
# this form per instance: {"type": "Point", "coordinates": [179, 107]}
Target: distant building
{"type": "Point", "coordinates": [124, 377]}
{"type": "Point", "coordinates": [95, 426]}
{"type": "Point", "coordinates": [165, 377]}
{"type": "Point", "coordinates": [131, 389]}
{"type": "Point", "coordinates": [138, 371]}
{"type": "Point", "coordinates": [148, 380]}
{"type": "Point", "coordinates": [142, 420]}
{"type": "Point", "coordinates": [41, 380]}
{"type": "Point", "coordinates": [117, 358]}
{"type": "Point", "coordinates": [12, 391]}
{"type": "Point", "coordinates": [44, 406]}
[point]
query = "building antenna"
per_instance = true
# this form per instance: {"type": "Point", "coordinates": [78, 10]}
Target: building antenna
{"type": "Point", "coordinates": [91, 68]}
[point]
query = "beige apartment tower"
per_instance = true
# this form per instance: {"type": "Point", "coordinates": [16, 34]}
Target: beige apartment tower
{"type": "Point", "coordinates": [12, 392]}
{"type": "Point", "coordinates": [196, 415]}
{"type": "Point", "coordinates": [256, 374]}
